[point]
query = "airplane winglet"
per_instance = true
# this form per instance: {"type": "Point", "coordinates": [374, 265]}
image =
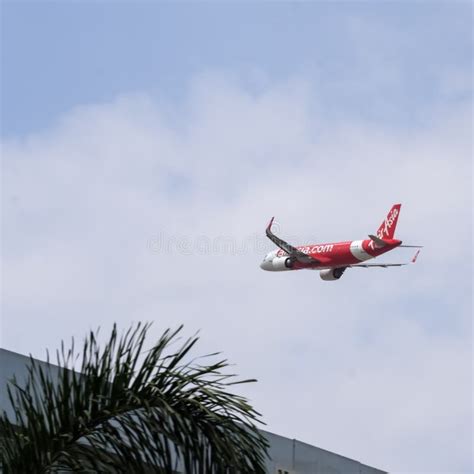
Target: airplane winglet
{"type": "Point", "coordinates": [413, 260]}
{"type": "Point", "coordinates": [269, 226]}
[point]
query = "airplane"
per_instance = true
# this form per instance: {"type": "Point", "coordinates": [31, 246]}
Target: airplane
{"type": "Point", "coordinates": [333, 259]}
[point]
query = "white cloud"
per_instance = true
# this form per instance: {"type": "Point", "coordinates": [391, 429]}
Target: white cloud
{"type": "Point", "coordinates": [376, 366]}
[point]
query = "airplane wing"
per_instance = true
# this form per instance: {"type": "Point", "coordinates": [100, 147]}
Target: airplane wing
{"type": "Point", "coordinates": [289, 249]}
{"type": "Point", "coordinates": [385, 265]}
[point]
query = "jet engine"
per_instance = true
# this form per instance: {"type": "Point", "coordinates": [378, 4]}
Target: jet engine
{"type": "Point", "coordinates": [282, 263]}
{"type": "Point", "coordinates": [331, 274]}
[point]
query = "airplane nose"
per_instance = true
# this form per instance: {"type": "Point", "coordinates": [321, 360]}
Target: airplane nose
{"type": "Point", "coordinates": [266, 265]}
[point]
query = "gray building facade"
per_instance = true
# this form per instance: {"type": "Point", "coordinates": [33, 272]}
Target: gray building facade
{"type": "Point", "coordinates": [287, 456]}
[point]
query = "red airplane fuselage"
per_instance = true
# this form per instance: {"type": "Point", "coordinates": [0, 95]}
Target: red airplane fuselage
{"type": "Point", "coordinates": [330, 255]}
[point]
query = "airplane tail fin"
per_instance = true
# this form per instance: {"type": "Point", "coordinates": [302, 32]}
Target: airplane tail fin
{"type": "Point", "coordinates": [388, 226]}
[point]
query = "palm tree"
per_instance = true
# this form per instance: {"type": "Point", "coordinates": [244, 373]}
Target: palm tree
{"type": "Point", "coordinates": [128, 410]}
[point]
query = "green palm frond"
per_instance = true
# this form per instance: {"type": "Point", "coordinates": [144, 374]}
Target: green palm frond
{"type": "Point", "coordinates": [130, 410]}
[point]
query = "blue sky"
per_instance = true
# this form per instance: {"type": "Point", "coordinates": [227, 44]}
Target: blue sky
{"type": "Point", "coordinates": [57, 55]}
{"type": "Point", "coordinates": [138, 138]}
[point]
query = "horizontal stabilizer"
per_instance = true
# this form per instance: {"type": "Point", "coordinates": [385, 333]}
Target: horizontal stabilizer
{"type": "Point", "coordinates": [378, 242]}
